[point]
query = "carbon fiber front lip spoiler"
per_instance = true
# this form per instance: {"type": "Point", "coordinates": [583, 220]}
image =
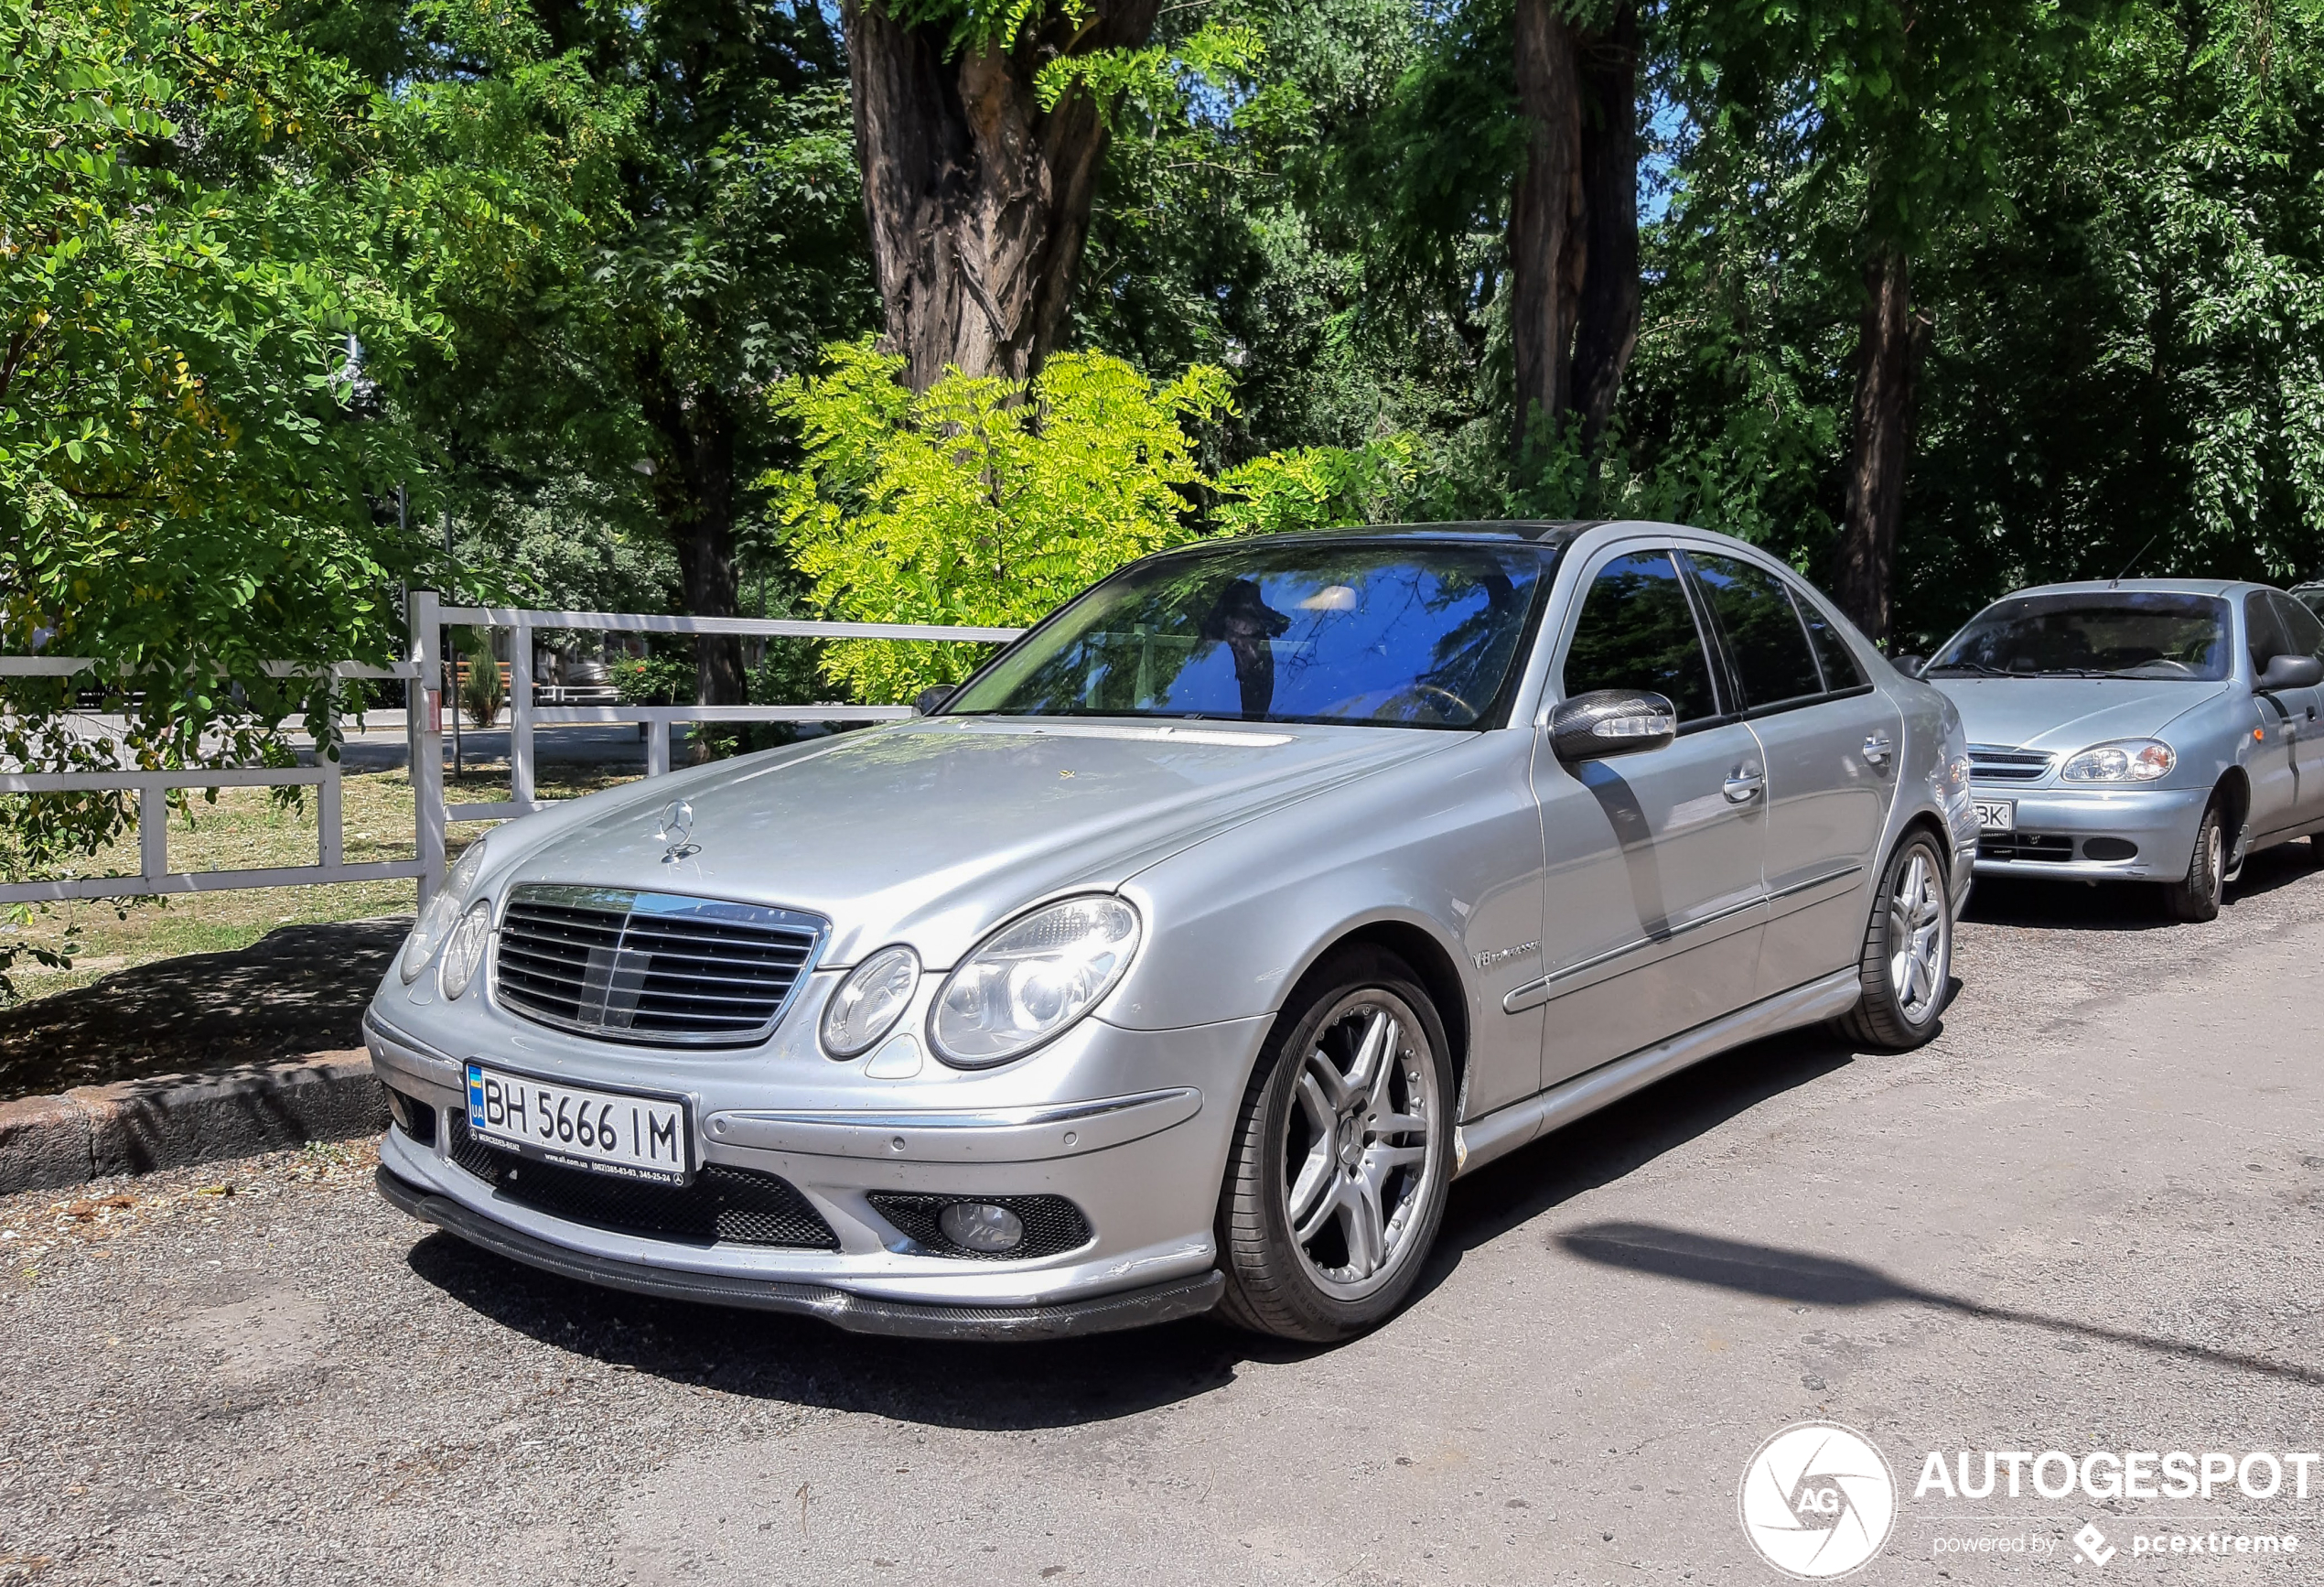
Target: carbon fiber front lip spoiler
{"type": "Point", "coordinates": [856, 1314]}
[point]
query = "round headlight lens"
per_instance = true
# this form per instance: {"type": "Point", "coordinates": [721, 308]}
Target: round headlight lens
{"type": "Point", "coordinates": [1031, 980]}
{"type": "Point", "coordinates": [2132, 760]}
{"type": "Point", "coordinates": [436, 920]}
{"type": "Point", "coordinates": [869, 1001]}
{"type": "Point", "coordinates": [463, 953]}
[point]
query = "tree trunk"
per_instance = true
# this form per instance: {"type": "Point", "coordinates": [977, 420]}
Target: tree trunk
{"type": "Point", "coordinates": [694, 487]}
{"type": "Point", "coordinates": [1889, 345]}
{"type": "Point", "coordinates": [1545, 221]}
{"type": "Point", "coordinates": [1606, 332]}
{"type": "Point", "coordinates": [978, 200]}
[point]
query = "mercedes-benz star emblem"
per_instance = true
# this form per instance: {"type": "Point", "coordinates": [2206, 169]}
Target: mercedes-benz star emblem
{"type": "Point", "coordinates": [677, 826]}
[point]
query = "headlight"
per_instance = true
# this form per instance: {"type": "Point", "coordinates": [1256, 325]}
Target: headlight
{"type": "Point", "coordinates": [1951, 780]}
{"type": "Point", "coordinates": [869, 1001]}
{"type": "Point", "coordinates": [442, 910]}
{"type": "Point", "coordinates": [1031, 980]}
{"type": "Point", "coordinates": [465, 952]}
{"type": "Point", "coordinates": [2131, 760]}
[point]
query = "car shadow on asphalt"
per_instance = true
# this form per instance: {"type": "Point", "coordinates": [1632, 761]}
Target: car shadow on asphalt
{"type": "Point", "coordinates": [1809, 1278]}
{"type": "Point", "coordinates": [797, 1360]}
{"type": "Point", "coordinates": [1618, 1140]}
{"type": "Point", "coordinates": [2124, 906]}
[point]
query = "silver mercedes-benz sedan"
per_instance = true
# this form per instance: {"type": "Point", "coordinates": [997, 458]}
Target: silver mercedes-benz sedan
{"type": "Point", "coordinates": [1184, 956]}
{"type": "Point", "coordinates": [2154, 728]}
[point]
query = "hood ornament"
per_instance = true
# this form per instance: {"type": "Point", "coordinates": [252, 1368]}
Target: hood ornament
{"type": "Point", "coordinates": [677, 826]}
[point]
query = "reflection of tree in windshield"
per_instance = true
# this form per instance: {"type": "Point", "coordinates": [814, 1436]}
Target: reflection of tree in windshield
{"type": "Point", "coordinates": [1243, 621]}
{"type": "Point", "coordinates": [1421, 634]}
{"type": "Point", "coordinates": [2153, 634]}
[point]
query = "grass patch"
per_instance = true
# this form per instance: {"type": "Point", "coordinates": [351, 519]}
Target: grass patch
{"type": "Point", "coordinates": [247, 830]}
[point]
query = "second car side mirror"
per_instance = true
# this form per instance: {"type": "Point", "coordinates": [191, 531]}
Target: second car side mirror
{"type": "Point", "coordinates": [2290, 672]}
{"type": "Point", "coordinates": [1909, 666]}
{"type": "Point", "coordinates": [930, 700]}
{"type": "Point", "coordinates": [1602, 722]}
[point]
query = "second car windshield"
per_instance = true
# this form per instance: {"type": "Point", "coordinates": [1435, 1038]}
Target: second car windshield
{"type": "Point", "coordinates": [1414, 634]}
{"type": "Point", "coordinates": [2137, 633]}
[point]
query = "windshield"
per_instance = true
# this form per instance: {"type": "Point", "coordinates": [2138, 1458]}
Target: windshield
{"type": "Point", "coordinates": [2109, 633]}
{"type": "Point", "coordinates": [1415, 635]}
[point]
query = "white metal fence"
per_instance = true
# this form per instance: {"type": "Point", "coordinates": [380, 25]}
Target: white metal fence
{"type": "Point", "coordinates": [423, 674]}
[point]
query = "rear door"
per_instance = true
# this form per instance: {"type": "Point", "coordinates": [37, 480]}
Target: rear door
{"type": "Point", "coordinates": [1831, 746]}
{"type": "Point", "coordinates": [1654, 888]}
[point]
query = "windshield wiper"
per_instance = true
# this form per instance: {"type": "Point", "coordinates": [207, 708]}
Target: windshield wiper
{"type": "Point", "coordinates": [1979, 668]}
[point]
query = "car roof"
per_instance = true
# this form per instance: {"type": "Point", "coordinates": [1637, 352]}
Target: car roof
{"type": "Point", "coordinates": [2156, 585]}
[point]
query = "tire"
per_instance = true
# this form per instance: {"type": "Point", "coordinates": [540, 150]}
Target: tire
{"type": "Point", "coordinates": [2196, 898]}
{"type": "Point", "coordinates": [1906, 966]}
{"type": "Point", "coordinates": [1308, 1140]}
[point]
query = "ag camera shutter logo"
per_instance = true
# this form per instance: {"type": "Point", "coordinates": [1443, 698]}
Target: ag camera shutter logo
{"type": "Point", "coordinates": [1817, 1501]}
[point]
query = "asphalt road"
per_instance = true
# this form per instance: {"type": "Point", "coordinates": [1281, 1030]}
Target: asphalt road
{"type": "Point", "coordinates": [2085, 1218]}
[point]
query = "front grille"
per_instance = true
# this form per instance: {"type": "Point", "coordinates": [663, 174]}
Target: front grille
{"type": "Point", "coordinates": [649, 966]}
{"type": "Point", "coordinates": [2051, 847]}
{"type": "Point", "coordinates": [721, 1205]}
{"type": "Point", "coordinates": [1052, 1223]}
{"type": "Point", "coordinates": [1987, 764]}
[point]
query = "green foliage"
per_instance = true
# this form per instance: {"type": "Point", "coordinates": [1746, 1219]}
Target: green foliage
{"type": "Point", "coordinates": [986, 502]}
{"type": "Point", "coordinates": [193, 458]}
{"type": "Point", "coordinates": [653, 680]}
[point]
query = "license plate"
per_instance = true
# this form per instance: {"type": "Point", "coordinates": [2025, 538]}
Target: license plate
{"type": "Point", "coordinates": [1997, 815]}
{"type": "Point", "coordinates": [626, 1134]}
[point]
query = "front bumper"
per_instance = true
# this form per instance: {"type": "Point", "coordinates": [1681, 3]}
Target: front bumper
{"type": "Point", "coordinates": [1103, 1314]}
{"type": "Point", "coordinates": [2159, 822]}
{"type": "Point", "coordinates": [1143, 1166]}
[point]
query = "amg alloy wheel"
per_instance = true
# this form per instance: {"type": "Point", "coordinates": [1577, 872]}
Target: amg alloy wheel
{"type": "Point", "coordinates": [1906, 967]}
{"type": "Point", "coordinates": [1343, 1156]}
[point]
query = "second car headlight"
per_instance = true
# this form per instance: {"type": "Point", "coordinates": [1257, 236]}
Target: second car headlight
{"type": "Point", "coordinates": [869, 1001]}
{"type": "Point", "coordinates": [463, 953]}
{"type": "Point", "coordinates": [436, 921]}
{"type": "Point", "coordinates": [1031, 980]}
{"type": "Point", "coordinates": [2130, 760]}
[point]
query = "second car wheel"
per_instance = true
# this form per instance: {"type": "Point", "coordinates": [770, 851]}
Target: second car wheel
{"type": "Point", "coordinates": [2197, 897]}
{"type": "Point", "coordinates": [1906, 967]}
{"type": "Point", "coordinates": [1342, 1157]}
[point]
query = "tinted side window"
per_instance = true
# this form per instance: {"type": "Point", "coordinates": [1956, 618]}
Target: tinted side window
{"type": "Point", "coordinates": [2299, 625]}
{"type": "Point", "coordinates": [2263, 632]}
{"type": "Point", "coordinates": [1764, 638]}
{"type": "Point", "coordinates": [1636, 632]}
{"type": "Point", "coordinates": [1842, 671]}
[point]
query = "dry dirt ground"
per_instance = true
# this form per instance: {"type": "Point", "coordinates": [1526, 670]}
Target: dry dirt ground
{"type": "Point", "coordinates": [2086, 1217]}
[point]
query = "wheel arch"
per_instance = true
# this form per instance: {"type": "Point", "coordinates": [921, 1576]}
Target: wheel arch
{"type": "Point", "coordinates": [1432, 962]}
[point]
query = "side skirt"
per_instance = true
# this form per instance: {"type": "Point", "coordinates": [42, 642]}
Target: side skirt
{"type": "Point", "coordinates": [1502, 1131]}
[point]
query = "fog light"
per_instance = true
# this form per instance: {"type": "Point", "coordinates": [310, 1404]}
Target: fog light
{"type": "Point", "coordinates": [981, 1226]}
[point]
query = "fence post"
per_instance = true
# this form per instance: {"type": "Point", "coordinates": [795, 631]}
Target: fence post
{"type": "Point", "coordinates": [657, 748]}
{"type": "Point", "coordinates": [330, 846]}
{"type": "Point", "coordinates": [425, 695]}
{"type": "Point", "coordinates": [520, 715]}
{"type": "Point", "coordinates": [153, 833]}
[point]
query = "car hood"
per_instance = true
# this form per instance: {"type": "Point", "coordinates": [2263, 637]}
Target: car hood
{"type": "Point", "coordinates": [2067, 714]}
{"type": "Point", "coordinates": [932, 832]}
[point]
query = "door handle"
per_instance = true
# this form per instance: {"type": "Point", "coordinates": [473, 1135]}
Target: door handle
{"type": "Point", "coordinates": [1877, 749]}
{"type": "Point", "coordinates": [1743, 784]}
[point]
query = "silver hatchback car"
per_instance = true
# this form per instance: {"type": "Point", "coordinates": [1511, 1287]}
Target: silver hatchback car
{"type": "Point", "coordinates": [1189, 950]}
{"type": "Point", "coordinates": [2148, 729]}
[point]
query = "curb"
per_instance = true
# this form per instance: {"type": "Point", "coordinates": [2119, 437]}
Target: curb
{"type": "Point", "coordinates": [175, 1121]}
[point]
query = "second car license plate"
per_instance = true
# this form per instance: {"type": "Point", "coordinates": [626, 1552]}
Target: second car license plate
{"type": "Point", "coordinates": [628, 1134]}
{"type": "Point", "coordinates": [1997, 815]}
